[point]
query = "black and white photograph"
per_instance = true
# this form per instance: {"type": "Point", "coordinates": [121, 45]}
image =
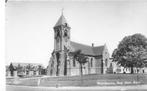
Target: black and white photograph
{"type": "Point", "coordinates": [75, 45]}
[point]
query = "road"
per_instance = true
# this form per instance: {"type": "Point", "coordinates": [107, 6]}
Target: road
{"type": "Point", "coordinates": [103, 88]}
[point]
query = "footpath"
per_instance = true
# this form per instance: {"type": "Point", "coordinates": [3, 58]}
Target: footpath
{"type": "Point", "coordinates": [94, 88]}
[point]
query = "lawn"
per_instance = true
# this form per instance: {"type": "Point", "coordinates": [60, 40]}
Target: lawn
{"type": "Point", "coordinates": [105, 88]}
{"type": "Point", "coordinates": [86, 80]}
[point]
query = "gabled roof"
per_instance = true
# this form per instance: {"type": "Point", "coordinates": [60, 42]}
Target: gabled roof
{"type": "Point", "coordinates": [61, 21]}
{"type": "Point", "coordinates": [98, 50]}
{"type": "Point", "coordinates": [87, 50]}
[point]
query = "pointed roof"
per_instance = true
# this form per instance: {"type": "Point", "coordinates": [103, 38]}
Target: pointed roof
{"type": "Point", "coordinates": [61, 21]}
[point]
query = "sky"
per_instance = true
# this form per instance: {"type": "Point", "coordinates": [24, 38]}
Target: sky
{"type": "Point", "coordinates": [29, 25]}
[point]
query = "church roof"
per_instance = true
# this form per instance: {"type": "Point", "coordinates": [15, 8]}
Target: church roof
{"type": "Point", "coordinates": [98, 50]}
{"type": "Point", "coordinates": [88, 50]}
{"type": "Point", "coordinates": [61, 21]}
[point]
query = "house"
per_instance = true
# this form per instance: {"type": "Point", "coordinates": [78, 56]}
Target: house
{"type": "Point", "coordinates": [119, 69]}
{"type": "Point", "coordinates": [23, 69]}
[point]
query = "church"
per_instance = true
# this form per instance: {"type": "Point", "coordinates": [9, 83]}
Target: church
{"type": "Point", "coordinates": [62, 64]}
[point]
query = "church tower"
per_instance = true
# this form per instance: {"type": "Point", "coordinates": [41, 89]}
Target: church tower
{"type": "Point", "coordinates": [58, 62]}
{"type": "Point", "coordinates": [61, 34]}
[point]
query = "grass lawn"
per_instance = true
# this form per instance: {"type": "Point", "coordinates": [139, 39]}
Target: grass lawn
{"type": "Point", "coordinates": [105, 88]}
{"type": "Point", "coordinates": [86, 80]}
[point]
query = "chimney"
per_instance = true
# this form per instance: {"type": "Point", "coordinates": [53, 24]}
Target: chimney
{"type": "Point", "coordinates": [92, 44]}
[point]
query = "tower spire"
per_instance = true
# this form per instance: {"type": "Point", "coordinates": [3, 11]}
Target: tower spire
{"type": "Point", "coordinates": [61, 20]}
{"type": "Point", "coordinates": [62, 11]}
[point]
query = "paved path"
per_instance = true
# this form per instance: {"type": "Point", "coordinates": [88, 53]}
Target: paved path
{"type": "Point", "coordinates": [102, 88]}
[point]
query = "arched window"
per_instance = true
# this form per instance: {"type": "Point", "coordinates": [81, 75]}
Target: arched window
{"type": "Point", "coordinates": [66, 24]}
{"type": "Point", "coordinates": [65, 33]}
{"type": "Point", "coordinates": [91, 62]}
{"type": "Point", "coordinates": [58, 33]}
{"type": "Point", "coordinates": [51, 72]}
{"type": "Point", "coordinates": [74, 63]}
{"type": "Point", "coordinates": [106, 62]}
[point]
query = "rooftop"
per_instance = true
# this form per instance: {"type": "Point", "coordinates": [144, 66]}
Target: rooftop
{"type": "Point", "coordinates": [61, 21]}
{"type": "Point", "coordinates": [25, 64]}
{"type": "Point", "coordinates": [88, 50]}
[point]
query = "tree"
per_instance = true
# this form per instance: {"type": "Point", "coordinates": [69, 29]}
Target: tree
{"type": "Point", "coordinates": [41, 69]}
{"type": "Point", "coordinates": [29, 67]}
{"type": "Point", "coordinates": [11, 68]}
{"type": "Point", "coordinates": [80, 58]}
{"type": "Point", "coordinates": [131, 52]}
{"type": "Point", "coordinates": [19, 68]}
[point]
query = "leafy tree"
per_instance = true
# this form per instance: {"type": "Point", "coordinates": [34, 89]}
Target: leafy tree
{"type": "Point", "coordinates": [19, 68]}
{"type": "Point", "coordinates": [80, 58]}
{"type": "Point", "coordinates": [41, 69]}
{"type": "Point", "coordinates": [11, 68]}
{"type": "Point", "coordinates": [131, 52]}
{"type": "Point", "coordinates": [29, 67]}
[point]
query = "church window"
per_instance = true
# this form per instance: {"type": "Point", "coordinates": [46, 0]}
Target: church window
{"type": "Point", "coordinates": [58, 34]}
{"type": "Point", "coordinates": [66, 24]}
{"type": "Point", "coordinates": [51, 72]}
{"type": "Point", "coordinates": [65, 33]}
{"type": "Point", "coordinates": [91, 62]}
{"type": "Point", "coordinates": [65, 49]}
{"type": "Point", "coordinates": [74, 63]}
{"type": "Point", "coordinates": [106, 61]}
{"type": "Point", "coordinates": [58, 56]}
